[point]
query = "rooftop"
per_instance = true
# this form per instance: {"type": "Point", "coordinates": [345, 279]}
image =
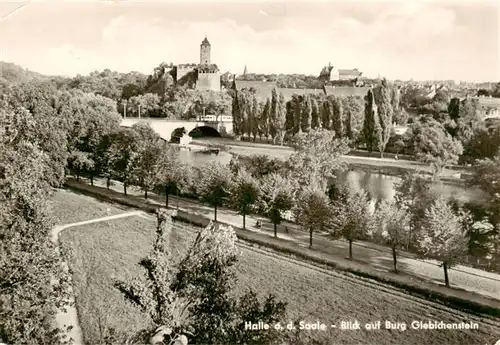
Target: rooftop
{"type": "Point", "coordinates": [205, 42]}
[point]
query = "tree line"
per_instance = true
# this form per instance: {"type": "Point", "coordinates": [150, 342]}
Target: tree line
{"type": "Point", "coordinates": [49, 134]}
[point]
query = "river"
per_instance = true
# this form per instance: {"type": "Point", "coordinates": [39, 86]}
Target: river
{"type": "Point", "coordinates": [378, 186]}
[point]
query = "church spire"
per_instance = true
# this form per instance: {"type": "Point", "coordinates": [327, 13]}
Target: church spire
{"type": "Point", "coordinates": [245, 70]}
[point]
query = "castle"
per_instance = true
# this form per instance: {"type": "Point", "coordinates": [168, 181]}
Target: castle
{"type": "Point", "coordinates": [202, 76]}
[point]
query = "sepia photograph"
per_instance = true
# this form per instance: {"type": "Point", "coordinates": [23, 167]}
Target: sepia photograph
{"type": "Point", "coordinates": [249, 172]}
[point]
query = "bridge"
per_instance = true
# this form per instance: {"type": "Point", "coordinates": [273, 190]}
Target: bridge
{"type": "Point", "coordinates": [166, 128]}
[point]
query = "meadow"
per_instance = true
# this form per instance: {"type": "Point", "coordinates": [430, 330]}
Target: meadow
{"type": "Point", "coordinates": [106, 251]}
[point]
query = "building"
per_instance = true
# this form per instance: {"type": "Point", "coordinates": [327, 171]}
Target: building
{"type": "Point", "coordinates": [332, 73]}
{"type": "Point", "coordinates": [489, 107]}
{"type": "Point", "coordinates": [202, 76]}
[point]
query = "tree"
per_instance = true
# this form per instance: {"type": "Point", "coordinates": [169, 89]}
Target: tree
{"type": "Point", "coordinates": [316, 157]}
{"type": "Point", "coordinates": [313, 210]}
{"type": "Point", "coordinates": [276, 197]}
{"type": "Point", "coordinates": [443, 236]}
{"type": "Point", "coordinates": [315, 121]}
{"type": "Point", "coordinates": [146, 105]}
{"type": "Point", "coordinates": [32, 113]}
{"type": "Point", "coordinates": [370, 122]}
{"type": "Point", "coordinates": [383, 120]}
{"type": "Point", "coordinates": [257, 165]}
{"type": "Point", "coordinates": [214, 185]}
{"type": "Point", "coordinates": [206, 277]}
{"type": "Point", "coordinates": [244, 193]}
{"type": "Point", "coordinates": [393, 224]}
{"type": "Point", "coordinates": [353, 111]}
{"type": "Point", "coordinates": [413, 194]}
{"type": "Point", "coordinates": [306, 114]}
{"type": "Point", "coordinates": [484, 144]}
{"type": "Point", "coordinates": [147, 170]}
{"type": "Point", "coordinates": [263, 125]}
{"type": "Point", "coordinates": [280, 118]}
{"type": "Point", "coordinates": [124, 152]}
{"type": "Point", "coordinates": [487, 176]}
{"type": "Point", "coordinates": [236, 113]}
{"type": "Point", "coordinates": [338, 121]}
{"type": "Point", "coordinates": [351, 218]}
{"type": "Point", "coordinates": [152, 293]}
{"type": "Point", "coordinates": [255, 112]}
{"type": "Point", "coordinates": [432, 145]}
{"type": "Point", "coordinates": [297, 113]}
{"type": "Point", "coordinates": [326, 114]}
{"type": "Point", "coordinates": [33, 284]}
{"type": "Point", "coordinates": [173, 175]}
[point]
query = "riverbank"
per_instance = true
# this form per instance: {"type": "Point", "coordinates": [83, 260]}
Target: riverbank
{"type": "Point", "coordinates": [328, 257]}
{"type": "Point", "coordinates": [386, 166]}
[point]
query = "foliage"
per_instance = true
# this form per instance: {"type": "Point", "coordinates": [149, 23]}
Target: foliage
{"type": "Point", "coordinates": [214, 185]}
{"type": "Point", "coordinates": [244, 193]}
{"type": "Point", "coordinates": [316, 157]}
{"type": "Point", "coordinates": [153, 293]}
{"type": "Point", "coordinates": [353, 111]}
{"type": "Point", "coordinates": [205, 276]}
{"type": "Point", "coordinates": [29, 110]}
{"type": "Point", "coordinates": [33, 284]}
{"type": "Point", "coordinates": [351, 218]}
{"type": "Point", "coordinates": [392, 224]}
{"type": "Point", "coordinates": [173, 176]}
{"type": "Point", "coordinates": [383, 119]}
{"type": "Point", "coordinates": [487, 176]}
{"type": "Point", "coordinates": [443, 237]}
{"type": "Point", "coordinates": [146, 105]}
{"type": "Point", "coordinates": [413, 194]}
{"type": "Point", "coordinates": [313, 211]}
{"type": "Point", "coordinates": [147, 170]}
{"type": "Point", "coordinates": [370, 122]}
{"type": "Point", "coordinates": [257, 165]}
{"type": "Point", "coordinates": [433, 145]}
{"type": "Point", "coordinates": [124, 154]}
{"type": "Point", "coordinates": [277, 195]}
{"type": "Point", "coordinates": [484, 143]}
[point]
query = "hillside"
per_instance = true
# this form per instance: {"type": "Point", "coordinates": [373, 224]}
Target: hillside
{"type": "Point", "coordinates": [12, 73]}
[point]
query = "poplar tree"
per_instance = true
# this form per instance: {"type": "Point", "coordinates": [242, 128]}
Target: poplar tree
{"type": "Point", "coordinates": [370, 123]}
{"type": "Point", "coordinates": [306, 114]}
{"type": "Point", "coordinates": [263, 127]}
{"type": "Point", "coordinates": [315, 121]}
{"type": "Point", "coordinates": [384, 115]}
{"type": "Point", "coordinates": [326, 114]}
{"type": "Point", "coordinates": [338, 117]}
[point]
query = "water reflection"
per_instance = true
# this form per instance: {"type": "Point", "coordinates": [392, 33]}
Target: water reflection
{"type": "Point", "coordinates": [378, 186]}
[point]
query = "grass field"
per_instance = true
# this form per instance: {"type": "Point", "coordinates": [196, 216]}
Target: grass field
{"type": "Point", "coordinates": [69, 207]}
{"type": "Point", "coordinates": [109, 250]}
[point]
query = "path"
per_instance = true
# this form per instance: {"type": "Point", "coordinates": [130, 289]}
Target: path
{"type": "Point", "coordinates": [377, 256]}
{"type": "Point", "coordinates": [70, 317]}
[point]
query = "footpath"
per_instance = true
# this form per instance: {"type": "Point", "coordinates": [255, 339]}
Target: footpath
{"type": "Point", "coordinates": [471, 289]}
{"type": "Point", "coordinates": [70, 316]}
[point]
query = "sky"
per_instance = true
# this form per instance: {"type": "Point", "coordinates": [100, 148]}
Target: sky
{"type": "Point", "coordinates": [418, 40]}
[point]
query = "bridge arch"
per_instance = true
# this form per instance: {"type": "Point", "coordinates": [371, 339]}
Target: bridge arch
{"type": "Point", "coordinates": [204, 131]}
{"type": "Point", "coordinates": [169, 128]}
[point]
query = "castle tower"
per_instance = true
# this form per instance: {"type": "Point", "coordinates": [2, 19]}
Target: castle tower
{"type": "Point", "coordinates": [205, 52]}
